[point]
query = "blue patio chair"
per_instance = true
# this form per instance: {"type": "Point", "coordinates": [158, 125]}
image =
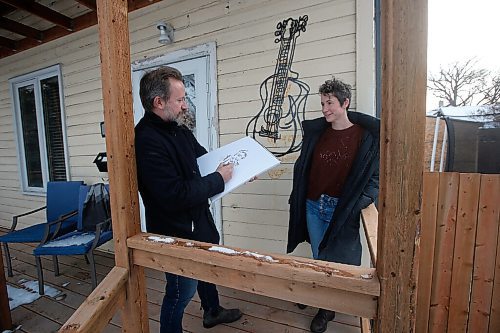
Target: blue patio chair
{"type": "Point", "coordinates": [61, 216]}
{"type": "Point", "coordinates": [78, 242]}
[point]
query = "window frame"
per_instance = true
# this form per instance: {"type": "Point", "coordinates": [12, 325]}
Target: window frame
{"type": "Point", "coordinates": [24, 80]}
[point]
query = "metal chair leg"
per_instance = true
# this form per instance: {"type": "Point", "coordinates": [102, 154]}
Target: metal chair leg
{"type": "Point", "coordinates": [56, 265]}
{"type": "Point", "coordinates": [92, 268]}
{"type": "Point", "coordinates": [7, 259]}
{"type": "Point", "coordinates": [39, 270]}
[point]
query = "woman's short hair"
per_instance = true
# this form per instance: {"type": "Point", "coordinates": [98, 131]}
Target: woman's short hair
{"type": "Point", "coordinates": [336, 88]}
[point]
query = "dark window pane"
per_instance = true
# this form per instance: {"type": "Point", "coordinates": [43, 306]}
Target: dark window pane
{"type": "Point", "coordinates": [30, 136]}
{"type": "Point", "coordinates": [53, 128]}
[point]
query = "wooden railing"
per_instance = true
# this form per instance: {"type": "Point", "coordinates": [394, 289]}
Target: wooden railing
{"type": "Point", "coordinates": [311, 282]}
{"type": "Point", "coordinates": [459, 272]}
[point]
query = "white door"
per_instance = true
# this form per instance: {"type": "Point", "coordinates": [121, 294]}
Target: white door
{"type": "Point", "coordinates": [197, 78]}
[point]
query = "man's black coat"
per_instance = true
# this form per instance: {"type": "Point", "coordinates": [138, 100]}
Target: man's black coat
{"type": "Point", "coordinates": [174, 193]}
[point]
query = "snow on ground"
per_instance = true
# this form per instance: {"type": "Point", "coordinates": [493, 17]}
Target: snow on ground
{"type": "Point", "coordinates": [27, 293]}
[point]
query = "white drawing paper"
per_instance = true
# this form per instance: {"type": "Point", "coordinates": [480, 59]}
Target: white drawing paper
{"type": "Point", "coordinates": [248, 157]}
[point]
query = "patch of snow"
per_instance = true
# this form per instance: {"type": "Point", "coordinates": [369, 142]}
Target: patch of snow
{"type": "Point", "coordinates": [167, 240]}
{"type": "Point", "coordinates": [366, 276]}
{"type": "Point", "coordinates": [260, 256]}
{"type": "Point", "coordinates": [15, 329]}
{"type": "Point", "coordinates": [224, 250]}
{"type": "Point", "coordinates": [27, 293]}
{"type": "Point", "coordinates": [189, 244]}
{"type": "Point", "coordinates": [466, 113]}
{"type": "Point", "coordinates": [75, 240]}
{"type": "Point", "coordinates": [66, 284]}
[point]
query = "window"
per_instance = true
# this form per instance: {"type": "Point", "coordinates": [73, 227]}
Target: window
{"type": "Point", "coordinates": [38, 111]}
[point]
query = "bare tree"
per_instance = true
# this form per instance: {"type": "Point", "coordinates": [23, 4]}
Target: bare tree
{"type": "Point", "coordinates": [461, 83]}
{"type": "Point", "coordinates": [492, 93]}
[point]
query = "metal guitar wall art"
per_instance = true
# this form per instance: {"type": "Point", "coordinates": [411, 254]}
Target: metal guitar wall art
{"type": "Point", "coordinates": [277, 124]}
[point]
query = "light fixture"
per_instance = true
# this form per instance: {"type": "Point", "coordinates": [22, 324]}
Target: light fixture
{"type": "Point", "coordinates": [103, 129]}
{"type": "Point", "coordinates": [166, 33]}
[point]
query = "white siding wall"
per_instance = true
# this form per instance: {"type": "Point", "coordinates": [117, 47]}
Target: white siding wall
{"type": "Point", "coordinates": [256, 215]}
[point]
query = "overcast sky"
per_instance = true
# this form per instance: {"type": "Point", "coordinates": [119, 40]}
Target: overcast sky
{"type": "Point", "coordinates": [461, 29]}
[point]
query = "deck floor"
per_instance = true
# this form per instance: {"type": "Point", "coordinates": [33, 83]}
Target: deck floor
{"type": "Point", "coordinates": [47, 314]}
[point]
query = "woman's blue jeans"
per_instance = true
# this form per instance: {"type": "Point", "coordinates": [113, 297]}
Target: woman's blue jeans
{"type": "Point", "coordinates": [178, 293]}
{"type": "Point", "coordinates": [319, 214]}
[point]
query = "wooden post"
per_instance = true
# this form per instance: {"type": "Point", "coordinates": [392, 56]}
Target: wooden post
{"type": "Point", "coordinates": [5, 318]}
{"type": "Point", "coordinates": [404, 54]}
{"type": "Point", "coordinates": [112, 16]}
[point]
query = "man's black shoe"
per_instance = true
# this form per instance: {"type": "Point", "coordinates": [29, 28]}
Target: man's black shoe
{"type": "Point", "coordinates": [222, 316]}
{"type": "Point", "coordinates": [321, 319]}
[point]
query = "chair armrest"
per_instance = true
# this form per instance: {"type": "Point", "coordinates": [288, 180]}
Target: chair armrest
{"type": "Point", "coordinates": [48, 236]}
{"type": "Point", "coordinates": [99, 228]}
{"type": "Point", "coordinates": [15, 217]}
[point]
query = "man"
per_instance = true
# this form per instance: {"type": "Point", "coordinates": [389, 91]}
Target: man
{"type": "Point", "coordinates": [335, 176]}
{"type": "Point", "coordinates": [174, 193]}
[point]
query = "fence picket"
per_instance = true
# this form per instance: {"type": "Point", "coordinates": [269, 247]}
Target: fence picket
{"type": "Point", "coordinates": [486, 247]}
{"type": "Point", "coordinates": [443, 254]}
{"type": "Point", "coordinates": [463, 254]}
{"type": "Point", "coordinates": [427, 242]}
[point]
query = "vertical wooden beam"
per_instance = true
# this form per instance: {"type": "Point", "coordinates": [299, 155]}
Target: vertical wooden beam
{"type": "Point", "coordinates": [112, 18]}
{"type": "Point", "coordinates": [404, 67]}
{"type": "Point", "coordinates": [5, 318]}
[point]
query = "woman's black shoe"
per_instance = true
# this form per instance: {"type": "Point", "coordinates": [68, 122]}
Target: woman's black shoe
{"type": "Point", "coordinates": [321, 319]}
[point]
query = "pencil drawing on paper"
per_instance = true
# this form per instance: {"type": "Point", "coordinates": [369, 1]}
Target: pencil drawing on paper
{"type": "Point", "coordinates": [236, 157]}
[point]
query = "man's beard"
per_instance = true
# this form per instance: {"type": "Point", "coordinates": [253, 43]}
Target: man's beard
{"type": "Point", "coordinates": [187, 119]}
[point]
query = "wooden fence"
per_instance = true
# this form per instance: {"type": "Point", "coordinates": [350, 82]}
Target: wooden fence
{"type": "Point", "coordinates": [459, 276]}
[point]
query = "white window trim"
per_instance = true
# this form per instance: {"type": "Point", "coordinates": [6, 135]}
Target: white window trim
{"type": "Point", "coordinates": [35, 77]}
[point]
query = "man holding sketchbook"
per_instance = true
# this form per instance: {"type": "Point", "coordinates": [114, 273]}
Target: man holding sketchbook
{"type": "Point", "coordinates": [175, 194]}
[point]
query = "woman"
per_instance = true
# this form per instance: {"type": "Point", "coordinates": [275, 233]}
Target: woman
{"type": "Point", "coordinates": [334, 178]}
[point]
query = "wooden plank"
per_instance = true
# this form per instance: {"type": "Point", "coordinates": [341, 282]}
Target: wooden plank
{"type": "Point", "coordinates": [5, 317]}
{"type": "Point", "coordinates": [494, 325]}
{"type": "Point", "coordinates": [365, 325]}
{"type": "Point", "coordinates": [33, 323]}
{"type": "Point", "coordinates": [463, 254]}
{"type": "Point", "coordinates": [443, 253]}
{"type": "Point", "coordinates": [484, 263]}
{"type": "Point", "coordinates": [430, 195]}
{"type": "Point", "coordinates": [404, 85]}
{"type": "Point", "coordinates": [344, 288]}
{"type": "Point", "coordinates": [98, 309]}
{"type": "Point", "coordinates": [369, 216]}
{"type": "Point", "coordinates": [118, 115]}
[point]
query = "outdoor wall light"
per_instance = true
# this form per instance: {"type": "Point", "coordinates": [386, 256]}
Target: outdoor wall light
{"type": "Point", "coordinates": [166, 33]}
{"type": "Point", "coordinates": [103, 129]}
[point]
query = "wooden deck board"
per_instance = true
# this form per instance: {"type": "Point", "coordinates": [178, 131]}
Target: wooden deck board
{"type": "Point", "coordinates": [261, 314]}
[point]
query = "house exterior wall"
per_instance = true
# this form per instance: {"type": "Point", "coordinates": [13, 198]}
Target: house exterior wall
{"type": "Point", "coordinates": [255, 216]}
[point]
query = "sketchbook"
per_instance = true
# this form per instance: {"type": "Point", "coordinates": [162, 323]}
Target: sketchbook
{"type": "Point", "coordinates": [248, 156]}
